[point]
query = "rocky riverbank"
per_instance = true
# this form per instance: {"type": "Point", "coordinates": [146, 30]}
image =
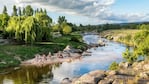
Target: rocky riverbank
{"type": "Point", "coordinates": [68, 54]}
{"type": "Point", "coordinates": [136, 73]}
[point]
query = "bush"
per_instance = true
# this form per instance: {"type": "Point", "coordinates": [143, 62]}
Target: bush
{"type": "Point", "coordinates": [113, 66]}
{"type": "Point", "coordinates": [129, 56]}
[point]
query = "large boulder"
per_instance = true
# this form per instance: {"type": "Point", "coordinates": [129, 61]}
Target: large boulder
{"type": "Point", "coordinates": [92, 77]}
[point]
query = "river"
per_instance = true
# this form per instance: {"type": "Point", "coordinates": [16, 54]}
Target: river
{"type": "Point", "coordinates": [101, 58]}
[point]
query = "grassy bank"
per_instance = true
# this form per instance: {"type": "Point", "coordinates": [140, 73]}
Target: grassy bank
{"type": "Point", "coordinates": [121, 35]}
{"type": "Point", "coordinates": [11, 55]}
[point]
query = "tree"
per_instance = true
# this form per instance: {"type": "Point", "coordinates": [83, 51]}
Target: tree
{"type": "Point", "coordinates": [129, 56]}
{"type": "Point", "coordinates": [23, 11]}
{"type": "Point", "coordinates": [13, 24]}
{"type": "Point", "coordinates": [66, 29]}
{"type": "Point", "coordinates": [30, 27]}
{"type": "Point", "coordinates": [44, 23]}
{"type": "Point", "coordinates": [62, 19]}
{"type": "Point", "coordinates": [45, 11]}
{"type": "Point", "coordinates": [41, 11]}
{"type": "Point", "coordinates": [4, 21]}
{"type": "Point", "coordinates": [5, 10]}
{"type": "Point", "coordinates": [14, 11]}
{"type": "Point", "coordinates": [20, 12]}
{"type": "Point", "coordinates": [29, 10]}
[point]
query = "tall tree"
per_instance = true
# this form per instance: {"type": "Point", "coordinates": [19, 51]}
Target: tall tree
{"type": "Point", "coordinates": [20, 12]}
{"type": "Point", "coordinates": [29, 11]}
{"type": "Point", "coordinates": [23, 11]}
{"type": "Point", "coordinates": [5, 10]}
{"type": "Point", "coordinates": [41, 11]}
{"type": "Point", "coordinates": [62, 19]}
{"type": "Point", "coordinates": [37, 10]}
{"type": "Point", "coordinates": [45, 11]}
{"type": "Point", "coordinates": [14, 13]}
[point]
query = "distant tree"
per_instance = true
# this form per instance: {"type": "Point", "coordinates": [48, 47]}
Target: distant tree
{"type": "Point", "coordinates": [23, 11]}
{"type": "Point", "coordinates": [37, 10]}
{"type": "Point", "coordinates": [14, 13]}
{"type": "Point", "coordinates": [5, 10]}
{"type": "Point", "coordinates": [20, 12]}
{"type": "Point", "coordinates": [41, 11]}
{"type": "Point", "coordinates": [45, 11]}
{"type": "Point", "coordinates": [62, 19]}
{"type": "Point", "coordinates": [29, 10]}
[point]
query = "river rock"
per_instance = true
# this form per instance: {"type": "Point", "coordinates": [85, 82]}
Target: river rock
{"type": "Point", "coordinates": [107, 81]}
{"type": "Point", "coordinates": [146, 67]}
{"type": "Point", "coordinates": [69, 49]}
{"type": "Point", "coordinates": [92, 77]}
{"type": "Point", "coordinates": [143, 75]}
{"type": "Point", "coordinates": [66, 81]}
{"type": "Point", "coordinates": [124, 65]}
{"type": "Point", "coordinates": [112, 72]}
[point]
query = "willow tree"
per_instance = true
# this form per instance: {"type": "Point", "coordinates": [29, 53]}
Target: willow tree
{"type": "Point", "coordinates": [45, 23]}
{"type": "Point", "coordinates": [4, 21]}
{"type": "Point", "coordinates": [30, 28]}
{"type": "Point", "coordinates": [12, 25]}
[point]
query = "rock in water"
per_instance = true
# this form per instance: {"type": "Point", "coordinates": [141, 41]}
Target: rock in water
{"type": "Point", "coordinates": [66, 81]}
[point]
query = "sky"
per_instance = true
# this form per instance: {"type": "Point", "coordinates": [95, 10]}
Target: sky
{"type": "Point", "coordinates": [88, 11]}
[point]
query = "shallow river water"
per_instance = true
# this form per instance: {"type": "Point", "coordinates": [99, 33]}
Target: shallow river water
{"type": "Point", "coordinates": [101, 58]}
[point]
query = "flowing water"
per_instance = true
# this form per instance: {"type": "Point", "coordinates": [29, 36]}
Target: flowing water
{"type": "Point", "coordinates": [101, 58]}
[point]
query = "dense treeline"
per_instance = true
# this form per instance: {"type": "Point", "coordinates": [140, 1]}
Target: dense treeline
{"type": "Point", "coordinates": [29, 25]}
{"type": "Point", "coordinates": [102, 27]}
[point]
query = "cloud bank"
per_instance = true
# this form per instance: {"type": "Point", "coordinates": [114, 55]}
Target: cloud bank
{"type": "Point", "coordinates": [100, 10]}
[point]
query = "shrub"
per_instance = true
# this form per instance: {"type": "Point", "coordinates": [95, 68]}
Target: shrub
{"type": "Point", "coordinates": [113, 66]}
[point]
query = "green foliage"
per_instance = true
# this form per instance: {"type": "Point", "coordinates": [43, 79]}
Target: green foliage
{"type": "Point", "coordinates": [56, 28]}
{"type": "Point", "coordinates": [67, 29]}
{"type": "Point", "coordinates": [29, 27]}
{"type": "Point", "coordinates": [5, 10]}
{"type": "Point", "coordinates": [129, 56]}
{"type": "Point", "coordinates": [4, 21]}
{"type": "Point", "coordinates": [62, 19]}
{"type": "Point", "coordinates": [113, 66]}
{"type": "Point", "coordinates": [29, 10]}
{"type": "Point", "coordinates": [44, 22]}
{"type": "Point", "coordinates": [19, 11]}
{"type": "Point", "coordinates": [14, 11]}
{"type": "Point", "coordinates": [142, 41]}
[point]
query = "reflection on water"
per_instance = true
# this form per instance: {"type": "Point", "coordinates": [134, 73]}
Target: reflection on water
{"type": "Point", "coordinates": [28, 75]}
{"type": "Point", "coordinates": [101, 58]}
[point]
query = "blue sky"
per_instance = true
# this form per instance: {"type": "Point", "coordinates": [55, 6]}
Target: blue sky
{"type": "Point", "coordinates": [89, 11]}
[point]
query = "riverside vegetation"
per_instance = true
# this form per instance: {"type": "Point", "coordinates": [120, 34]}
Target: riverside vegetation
{"type": "Point", "coordinates": [27, 32]}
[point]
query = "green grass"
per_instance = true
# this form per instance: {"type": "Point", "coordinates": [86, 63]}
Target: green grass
{"type": "Point", "coordinates": [122, 35]}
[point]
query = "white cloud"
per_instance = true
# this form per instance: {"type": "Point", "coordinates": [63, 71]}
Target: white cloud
{"type": "Point", "coordinates": [98, 10]}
